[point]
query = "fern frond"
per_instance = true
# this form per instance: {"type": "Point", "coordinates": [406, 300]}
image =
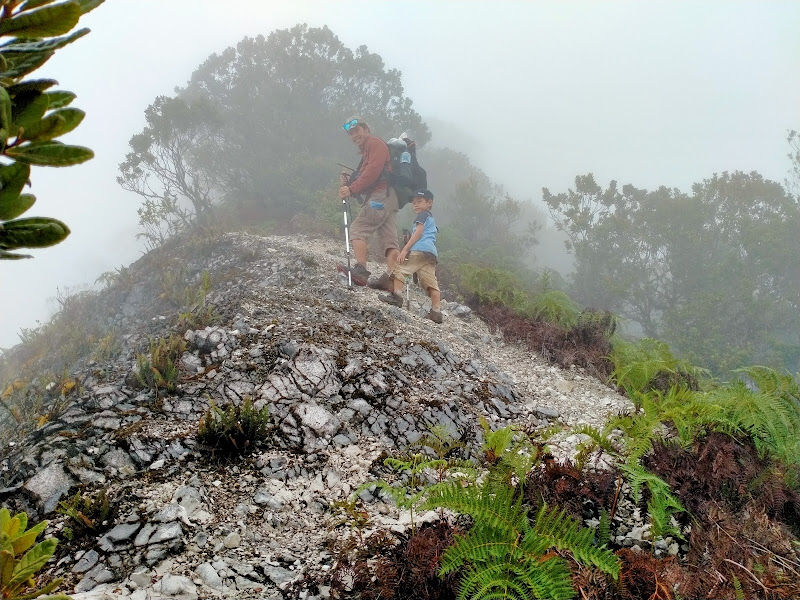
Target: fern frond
{"type": "Point", "coordinates": [562, 531]}
{"type": "Point", "coordinates": [599, 438]}
{"type": "Point", "coordinates": [662, 505]}
{"type": "Point", "coordinates": [492, 506]}
{"type": "Point", "coordinates": [604, 529]}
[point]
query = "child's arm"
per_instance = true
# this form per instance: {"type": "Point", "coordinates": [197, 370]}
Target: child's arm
{"type": "Point", "coordinates": [418, 230]}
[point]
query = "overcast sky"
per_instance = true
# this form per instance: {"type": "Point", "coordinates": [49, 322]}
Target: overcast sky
{"type": "Point", "coordinates": [644, 92]}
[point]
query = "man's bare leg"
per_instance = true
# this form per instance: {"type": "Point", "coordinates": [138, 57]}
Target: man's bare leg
{"type": "Point", "coordinates": [360, 250]}
{"type": "Point", "coordinates": [391, 259]}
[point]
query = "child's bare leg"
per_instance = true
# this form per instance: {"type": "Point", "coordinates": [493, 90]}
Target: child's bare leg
{"type": "Point", "coordinates": [398, 285]}
{"type": "Point", "coordinates": [436, 299]}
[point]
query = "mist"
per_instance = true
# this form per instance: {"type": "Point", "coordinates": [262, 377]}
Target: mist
{"type": "Point", "coordinates": [648, 93]}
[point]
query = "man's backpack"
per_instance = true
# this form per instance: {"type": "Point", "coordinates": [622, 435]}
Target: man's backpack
{"type": "Point", "coordinates": [407, 176]}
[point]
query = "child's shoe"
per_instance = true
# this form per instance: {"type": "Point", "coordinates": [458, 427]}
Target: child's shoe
{"type": "Point", "coordinates": [393, 299]}
{"type": "Point", "coordinates": [434, 315]}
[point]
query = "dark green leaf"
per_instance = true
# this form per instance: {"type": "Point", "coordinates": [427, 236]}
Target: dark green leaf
{"type": "Point", "coordinates": [31, 4]}
{"type": "Point", "coordinates": [46, 22]}
{"type": "Point", "coordinates": [33, 232]}
{"type": "Point", "coordinates": [33, 85]}
{"type": "Point", "coordinates": [5, 109]}
{"type": "Point", "coordinates": [25, 45]}
{"type": "Point", "coordinates": [18, 64]}
{"type": "Point", "coordinates": [13, 178]}
{"type": "Point", "coordinates": [60, 98]}
{"type": "Point", "coordinates": [55, 124]}
{"type": "Point", "coordinates": [46, 129]}
{"type": "Point", "coordinates": [11, 208]}
{"type": "Point", "coordinates": [89, 5]}
{"type": "Point", "coordinates": [10, 256]}
{"type": "Point", "coordinates": [28, 110]}
{"type": "Point", "coordinates": [50, 154]}
{"type": "Point", "coordinates": [72, 118]}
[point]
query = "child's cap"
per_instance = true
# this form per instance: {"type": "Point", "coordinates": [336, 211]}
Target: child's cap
{"type": "Point", "coordinates": [427, 194]}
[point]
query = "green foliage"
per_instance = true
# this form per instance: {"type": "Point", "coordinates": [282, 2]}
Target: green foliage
{"type": "Point", "coordinates": [638, 364]}
{"type": "Point", "coordinates": [604, 529]}
{"type": "Point", "coordinates": [159, 369]}
{"type": "Point", "coordinates": [661, 506]}
{"type": "Point", "coordinates": [509, 453]}
{"type": "Point", "coordinates": [109, 346]}
{"type": "Point", "coordinates": [768, 414]}
{"type": "Point", "coordinates": [504, 556]}
{"type": "Point", "coordinates": [426, 470]}
{"type": "Point", "coordinates": [350, 512]}
{"type": "Point", "coordinates": [234, 429]}
{"type": "Point", "coordinates": [198, 312]}
{"type": "Point", "coordinates": [177, 134]}
{"type": "Point", "coordinates": [21, 558]}
{"type": "Point", "coordinates": [492, 226]}
{"type": "Point", "coordinates": [88, 514]}
{"type": "Point", "coordinates": [764, 409]}
{"type": "Point", "coordinates": [554, 306]}
{"type": "Point", "coordinates": [637, 255]}
{"type": "Point", "coordinates": [494, 286]}
{"type": "Point", "coordinates": [31, 118]}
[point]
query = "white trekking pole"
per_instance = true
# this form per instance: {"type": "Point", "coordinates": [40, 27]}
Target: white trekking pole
{"type": "Point", "coordinates": [345, 209]}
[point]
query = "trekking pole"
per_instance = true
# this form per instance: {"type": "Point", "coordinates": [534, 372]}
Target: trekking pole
{"type": "Point", "coordinates": [406, 237]}
{"type": "Point", "coordinates": [345, 211]}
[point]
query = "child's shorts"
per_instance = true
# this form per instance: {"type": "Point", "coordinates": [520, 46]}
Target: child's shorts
{"type": "Point", "coordinates": [421, 263]}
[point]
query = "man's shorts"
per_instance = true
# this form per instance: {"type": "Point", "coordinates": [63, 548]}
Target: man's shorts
{"type": "Point", "coordinates": [421, 263]}
{"type": "Point", "coordinates": [380, 221]}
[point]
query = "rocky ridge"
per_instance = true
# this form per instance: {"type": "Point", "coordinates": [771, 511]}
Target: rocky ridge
{"type": "Point", "coordinates": [347, 380]}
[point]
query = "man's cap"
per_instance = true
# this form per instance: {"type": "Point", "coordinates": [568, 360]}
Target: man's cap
{"type": "Point", "coordinates": [427, 194]}
{"type": "Point", "coordinates": [354, 121]}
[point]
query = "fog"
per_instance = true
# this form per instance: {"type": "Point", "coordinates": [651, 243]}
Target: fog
{"type": "Point", "coordinates": [649, 93]}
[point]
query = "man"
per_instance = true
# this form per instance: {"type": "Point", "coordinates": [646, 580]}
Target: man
{"type": "Point", "coordinates": [377, 215]}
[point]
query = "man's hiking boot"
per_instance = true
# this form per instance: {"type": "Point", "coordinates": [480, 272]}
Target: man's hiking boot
{"type": "Point", "coordinates": [358, 274]}
{"type": "Point", "coordinates": [434, 315]}
{"type": "Point", "coordinates": [384, 282]}
{"type": "Point", "coordinates": [393, 299]}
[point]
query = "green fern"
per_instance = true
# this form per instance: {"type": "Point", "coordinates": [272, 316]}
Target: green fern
{"type": "Point", "coordinates": [509, 452]}
{"type": "Point", "coordinates": [425, 470]}
{"type": "Point", "coordinates": [503, 556]}
{"type": "Point", "coordinates": [636, 365]}
{"type": "Point", "coordinates": [603, 531]}
{"type": "Point", "coordinates": [770, 415]}
{"type": "Point", "coordinates": [662, 506]}
{"type": "Point", "coordinates": [554, 306]}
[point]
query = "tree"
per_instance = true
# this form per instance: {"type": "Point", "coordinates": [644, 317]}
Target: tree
{"type": "Point", "coordinates": [280, 101]}
{"type": "Point", "coordinates": [165, 166]}
{"type": "Point", "coordinates": [711, 273]}
{"type": "Point", "coordinates": [32, 115]}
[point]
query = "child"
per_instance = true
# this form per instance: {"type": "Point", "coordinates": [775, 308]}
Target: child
{"type": "Point", "coordinates": [419, 256]}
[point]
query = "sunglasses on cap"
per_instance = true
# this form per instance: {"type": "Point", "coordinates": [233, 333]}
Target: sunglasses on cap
{"type": "Point", "coordinates": [350, 125]}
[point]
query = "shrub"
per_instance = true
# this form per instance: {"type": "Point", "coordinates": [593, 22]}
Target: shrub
{"type": "Point", "coordinates": [21, 558]}
{"type": "Point", "coordinates": [87, 514]}
{"type": "Point", "coordinates": [159, 368]}
{"type": "Point", "coordinates": [31, 118]}
{"type": "Point", "coordinates": [234, 429]}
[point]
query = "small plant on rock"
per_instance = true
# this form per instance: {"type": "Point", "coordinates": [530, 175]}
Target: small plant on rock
{"type": "Point", "coordinates": [233, 429]}
{"type": "Point", "coordinates": [159, 368]}
{"type": "Point", "coordinates": [88, 514]}
{"type": "Point", "coordinates": [21, 558]}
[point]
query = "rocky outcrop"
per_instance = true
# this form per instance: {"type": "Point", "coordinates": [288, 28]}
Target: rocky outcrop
{"type": "Point", "coordinates": [346, 380]}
